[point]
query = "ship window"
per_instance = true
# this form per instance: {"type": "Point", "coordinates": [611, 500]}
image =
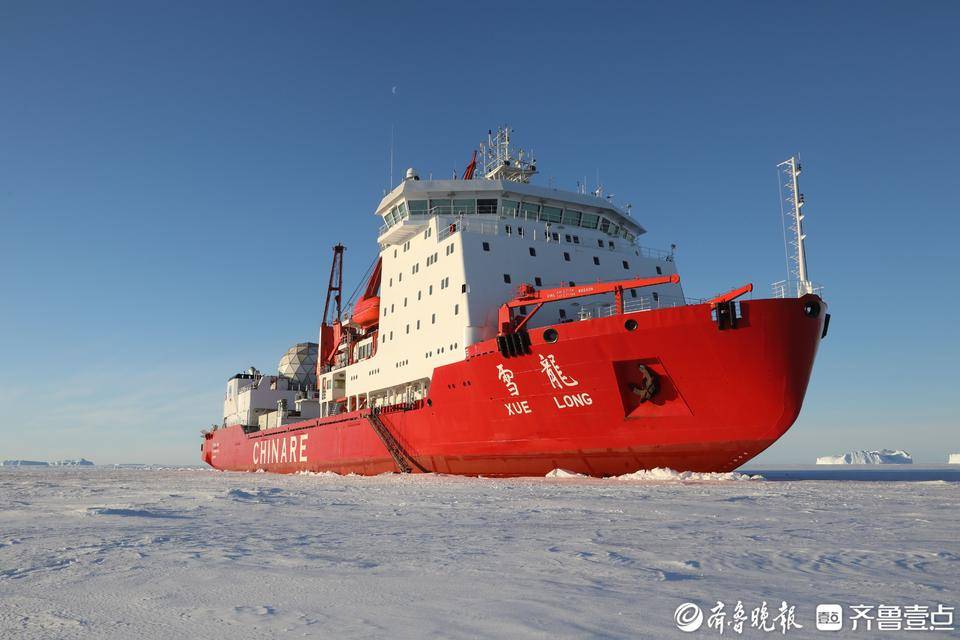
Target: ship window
{"type": "Point", "coordinates": [556, 236]}
{"type": "Point", "coordinates": [418, 325]}
{"type": "Point", "coordinates": [537, 281]}
{"type": "Point", "coordinates": [487, 206]}
{"type": "Point", "coordinates": [441, 206]}
{"type": "Point", "coordinates": [563, 314]}
{"type": "Point", "coordinates": [394, 253]}
{"type": "Point", "coordinates": [656, 297]}
{"type": "Point", "coordinates": [506, 278]}
{"type": "Point", "coordinates": [419, 295]}
{"type": "Point", "coordinates": [418, 206]}
{"type": "Point", "coordinates": [427, 233]}
{"type": "Point", "coordinates": [486, 246]}
{"type": "Point", "coordinates": [463, 288]}
{"type": "Point", "coordinates": [404, 302]}
{"type": "Point", "coordinates": [391, 335]}
{"type": "Point", "coordinates": [391, 308]}
{"type": "Point", "coordinates": [533, 252]}
{"type": "Point", "coordinates": [522, 310]}
{"type": "Point", "coordinates": [596, 260]}
{"type": "Point", "coordinates": [600, 243]}
{"type": "Point", "coordinates": [456, 309]}
{"type": "Point", "coordinates": [433, 318]}
{"type": "Point", "coordinates": [566, 256]}
{"type": "Point", "coordinates": [510, 208]}
{"type": "Point", "coordinates": [567, 238]}
{"type": "Point", "coordinates": [430, 290]}
{"type": "Point", "coordinates": [550, 214]}
{"type": "Point", "coordinates": [400, 277]}
{"type": "Point", "coordinates": [610, 244]}
{"type": "Point", "coordinates": [507, 229]}
{"type": "Point", "coordinates": [465, 206]}
{"type": "Point", "coordinates": [571, 217]}
{"type": "Point", "coordinates": [406, 246]}
{"type": "Point", "coordinates": [530, 210]}
{"type": "Point", "coordinates": [520, 231]}
{"type": "Point", "coordinates": [572, 283]}
{"type": "Point", "coordinates": [633, 293]}
{"type": "Point", "coordinates": [626, 265]}
{"type": "Point", "coordinates": [391, 283]}
{"type": "Point", "coordinates": [576, 239]}
{"type": "Point", "coordinates": [604, 225]}
{"type": "Point", "coordinates": [659, 271]}
{"type": "Point", "coordinates": [589, 220]}
{"type": "Point", "coordinates": [408, 328]}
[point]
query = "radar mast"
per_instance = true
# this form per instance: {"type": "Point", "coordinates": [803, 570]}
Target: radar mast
{"type": "Point", "coordinates": [499, 162]}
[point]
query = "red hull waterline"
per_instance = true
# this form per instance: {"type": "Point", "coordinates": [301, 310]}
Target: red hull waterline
{"type": "Point", "coordinates": [725, 395]}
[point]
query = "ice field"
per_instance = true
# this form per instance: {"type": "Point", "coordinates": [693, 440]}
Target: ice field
{"type": "Point", "coordinates": [141, 553]}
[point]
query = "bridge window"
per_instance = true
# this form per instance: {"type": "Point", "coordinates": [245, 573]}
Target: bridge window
{"type": "Point", "coordinates": [550, 214]}
{"type": "Point", "coordinates": [571, 218]}
{"type": "Point", "coordinates": [510, 208]}
{"type": "Point", "coordinates": [467, 207]}
{"type": "Point", "coordinates": [589, 221]}
{"type": "Point", "coordinates": [487, 206]}
{"type": "Point", "coordinates": [442, 206]}
{"type": "Point", "coordinates": [530, 210]}
{"type": "Point", "coordinates": [418, 206]}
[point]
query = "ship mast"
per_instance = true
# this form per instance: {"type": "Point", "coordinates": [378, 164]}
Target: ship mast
{"type": "Point", "coordinates": [500, 164]}
{"type": "Point", "coordinates": [791, 210]}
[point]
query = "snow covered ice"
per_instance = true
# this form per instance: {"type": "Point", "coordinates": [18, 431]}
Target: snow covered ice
{"type": "Point", "coordinates": [147, 553]}
{"type": "Point", "coordinates": [884, 456]}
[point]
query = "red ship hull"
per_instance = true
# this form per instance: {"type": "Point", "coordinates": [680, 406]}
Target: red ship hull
{"type": "Point", "coordinates": [725, 395]}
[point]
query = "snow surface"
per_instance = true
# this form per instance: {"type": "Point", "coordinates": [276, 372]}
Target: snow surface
{"type": "Point", "coordinates": [167, 553]}
{"type": "Point", "coordinates": [884, 456]}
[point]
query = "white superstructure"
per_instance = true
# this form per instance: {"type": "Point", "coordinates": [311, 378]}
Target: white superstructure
{"type": "Point", "coordinates": [453, 251]}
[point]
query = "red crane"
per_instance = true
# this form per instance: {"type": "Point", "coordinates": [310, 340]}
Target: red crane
{"type": "Point", "coordinates": [331, 333]}
{"type": "Point", "coordinates": [528, 295]}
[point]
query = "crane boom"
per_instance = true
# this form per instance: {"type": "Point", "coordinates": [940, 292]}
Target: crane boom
{"type": "Point", "coordinates": [527, 295]}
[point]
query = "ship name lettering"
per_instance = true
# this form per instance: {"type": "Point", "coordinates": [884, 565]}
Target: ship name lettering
{"type": "Point", "coordinates": [517, 408]}
{"type": "Point", "coordinates": [573, 400]}
{"type": "Point", "coordinates": [292, 449]}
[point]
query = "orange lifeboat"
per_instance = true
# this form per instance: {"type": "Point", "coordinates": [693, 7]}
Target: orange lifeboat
{"type": "Point", "coordinates": [366, 313]}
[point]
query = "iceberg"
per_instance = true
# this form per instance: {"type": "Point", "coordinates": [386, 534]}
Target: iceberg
{"type": "Point", "coordinates": [884, 456]}
{"type": "Point", "coordinates": [80, 462]}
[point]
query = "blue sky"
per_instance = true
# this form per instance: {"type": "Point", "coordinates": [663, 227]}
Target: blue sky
{"type": "Point", "coordinates": [172, 177]}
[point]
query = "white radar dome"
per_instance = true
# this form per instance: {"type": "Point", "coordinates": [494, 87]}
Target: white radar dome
{"type": "Point", "coordinates": [299, 363]}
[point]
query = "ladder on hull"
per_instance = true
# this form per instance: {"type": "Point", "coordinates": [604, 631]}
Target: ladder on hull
{"type": "Point", "coordinates": [403, 460]}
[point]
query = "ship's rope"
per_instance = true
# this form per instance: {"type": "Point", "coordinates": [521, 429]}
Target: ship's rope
{"type": "Point", "coordinates": [361, 284]}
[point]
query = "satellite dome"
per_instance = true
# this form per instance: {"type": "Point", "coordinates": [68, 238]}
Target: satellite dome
{"type": "Point", "coordinates": [299, 363]}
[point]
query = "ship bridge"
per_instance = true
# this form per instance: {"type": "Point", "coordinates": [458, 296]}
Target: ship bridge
{"type": "Point", "coordinates": [407, 209]}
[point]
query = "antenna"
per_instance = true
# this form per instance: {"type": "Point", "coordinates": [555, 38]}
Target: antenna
{"type": "Point", "coordinates": [791, 207]}
{"type": "Point", "coordinates": [498, 161]}
{"type": "Point", "coordinates": [391, 157]}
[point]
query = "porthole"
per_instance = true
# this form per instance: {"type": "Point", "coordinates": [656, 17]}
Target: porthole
{"type": "Point", "coordinates": [630, 325]}
{"type": "Point", "coordinates": [550, 335]}
{"type": "Point", "coordinates": [811, 309]}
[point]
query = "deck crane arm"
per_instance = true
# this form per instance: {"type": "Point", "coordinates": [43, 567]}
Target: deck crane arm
{"type": "Point", "coordinates": [528, 295]}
